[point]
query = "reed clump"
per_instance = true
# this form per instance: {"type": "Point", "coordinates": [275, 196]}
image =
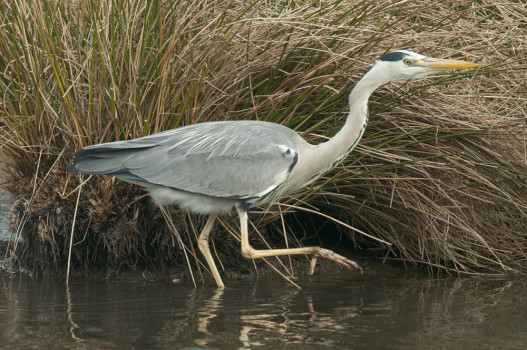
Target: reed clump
{"type": "Point", "coordinates": [440, 177]}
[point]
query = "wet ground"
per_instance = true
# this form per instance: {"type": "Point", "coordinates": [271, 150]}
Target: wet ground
{"type": "Point", "coordinates": [386, 308]}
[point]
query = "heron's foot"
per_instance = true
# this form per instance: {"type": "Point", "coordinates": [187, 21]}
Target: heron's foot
{"type": "Point", "coordinates": [317, 252]}
{"type": "Point", "coordinates": [331, 255]}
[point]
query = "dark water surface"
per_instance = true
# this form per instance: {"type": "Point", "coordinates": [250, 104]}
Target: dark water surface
{"type": "Point", "coordinates": [379, 310]}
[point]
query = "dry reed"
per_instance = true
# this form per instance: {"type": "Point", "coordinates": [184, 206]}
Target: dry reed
{"type": "Point", "coordinates": [440, 177]}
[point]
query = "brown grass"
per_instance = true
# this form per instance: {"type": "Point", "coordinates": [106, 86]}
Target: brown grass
{"type": "Point", "coordinates": [439, 178]}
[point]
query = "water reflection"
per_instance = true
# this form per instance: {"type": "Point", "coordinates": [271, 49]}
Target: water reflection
{"type": "Point", "coordinates": [335, 311]}
{"type": "Point", "coordinates": [6, 202]}
{"type": "Point", "coordinates": [210, 310]}
{"type": "Point", "coordinates": [69, 311]}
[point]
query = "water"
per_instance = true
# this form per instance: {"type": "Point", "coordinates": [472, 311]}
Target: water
{"type": "Point", "coordinates": [6, 202]}
{"type": "Point", "coordinates": [384, 309]}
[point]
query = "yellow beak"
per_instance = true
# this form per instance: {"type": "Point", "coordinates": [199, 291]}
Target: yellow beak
{"type": "Point", "coordinates": [438, 64]}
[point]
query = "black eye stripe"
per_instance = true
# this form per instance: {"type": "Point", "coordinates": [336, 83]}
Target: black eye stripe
{"type": "Point", "coordinates": [394, 56]}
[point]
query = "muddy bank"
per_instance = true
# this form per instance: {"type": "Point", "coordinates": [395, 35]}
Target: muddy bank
{"type": "Point", "coordinates": [120, 232]}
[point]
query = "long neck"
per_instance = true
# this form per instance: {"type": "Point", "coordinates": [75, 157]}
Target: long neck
{"type": "Point", "coordinates": [347, 138]}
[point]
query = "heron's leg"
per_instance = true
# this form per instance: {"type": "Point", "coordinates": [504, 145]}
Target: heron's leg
{"type": "Point", "coordinates": [251, 253]}
{"type": "Point", "coordinates": [203, 244]}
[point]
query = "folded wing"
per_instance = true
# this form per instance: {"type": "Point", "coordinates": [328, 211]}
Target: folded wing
{"type": "Point", "coordinates": [243, 159]}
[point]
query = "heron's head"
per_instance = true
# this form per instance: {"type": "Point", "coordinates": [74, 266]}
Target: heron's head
{"type": "Point", "coordinates": [402, 64]}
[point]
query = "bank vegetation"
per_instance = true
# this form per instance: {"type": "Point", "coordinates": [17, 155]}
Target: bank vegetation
{"type": "Point", "coordinates": [439, 178]}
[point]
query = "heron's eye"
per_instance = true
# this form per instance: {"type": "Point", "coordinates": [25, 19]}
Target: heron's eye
{"type": "Point", "coordinates": [407, 61]}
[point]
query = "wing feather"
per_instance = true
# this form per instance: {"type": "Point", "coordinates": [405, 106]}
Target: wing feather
{"type": "Point", "coordinates": [243, 159]}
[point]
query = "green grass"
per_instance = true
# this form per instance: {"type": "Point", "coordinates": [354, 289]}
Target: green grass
{"type": "Point", "coordinates": [439, 178]}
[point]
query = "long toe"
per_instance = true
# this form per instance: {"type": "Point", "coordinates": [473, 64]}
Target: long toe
{"type": "Point", "coordinates": [331, 255]}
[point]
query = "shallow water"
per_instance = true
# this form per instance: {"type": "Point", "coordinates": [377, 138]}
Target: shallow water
{"type": "Point", "coordinates": [379, 310]}
{"type": "Point", "coordinates": [6, 202]}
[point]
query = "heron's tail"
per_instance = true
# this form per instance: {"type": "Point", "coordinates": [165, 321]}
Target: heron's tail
{"type": "Point", "coordinates": [106, 158]}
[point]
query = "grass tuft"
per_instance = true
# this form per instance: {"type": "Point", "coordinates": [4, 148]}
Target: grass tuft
{"type": "Point", "coordinates": [440, 177]}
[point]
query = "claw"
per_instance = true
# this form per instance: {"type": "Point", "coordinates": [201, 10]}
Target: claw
{"type": "Point", "coordinates": [313, 264]}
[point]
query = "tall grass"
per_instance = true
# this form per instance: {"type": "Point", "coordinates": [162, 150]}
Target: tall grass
{"type": "Point", "coordinates": [440, 177]}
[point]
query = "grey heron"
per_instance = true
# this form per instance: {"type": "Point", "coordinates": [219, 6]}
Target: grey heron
{"type": "Point", "coordinates": [215, 167]}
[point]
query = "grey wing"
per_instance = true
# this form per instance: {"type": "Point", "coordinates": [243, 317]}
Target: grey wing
{"type": "Point", "coordinates": [223, 159]}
